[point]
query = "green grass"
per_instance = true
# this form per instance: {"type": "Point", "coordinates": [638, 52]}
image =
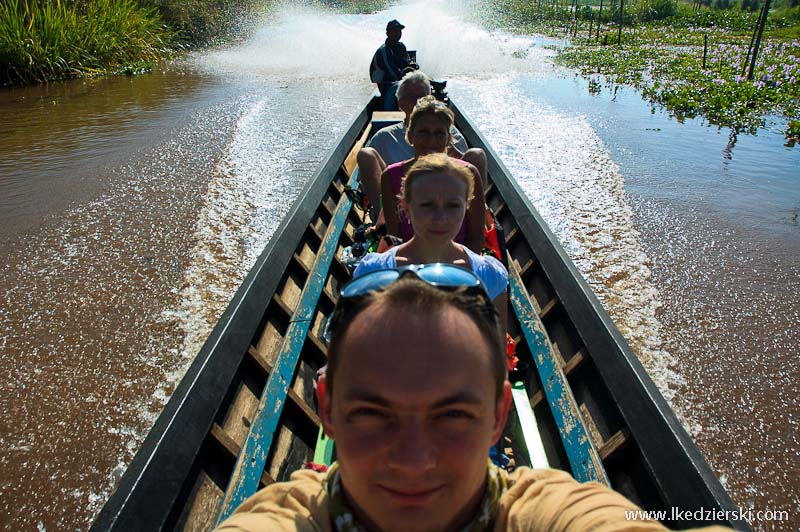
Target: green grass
{"type": "Point", "coordinates": [209, 22]}
{"type": "Point", "coordinates": [43, 40]}
{"type": "Point", "coordinates": [356, 6]}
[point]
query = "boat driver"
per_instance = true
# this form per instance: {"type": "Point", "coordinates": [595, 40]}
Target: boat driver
{"type": "Point", "coordinates": [414, 416]}
{"type": "Point", "coordinates": [389, 63]}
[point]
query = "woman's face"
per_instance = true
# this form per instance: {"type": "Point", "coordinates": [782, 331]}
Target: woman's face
{"type": "Point", "coordinates": [430, 135]}
{"type": "Point", "coordinates": [437, 206]}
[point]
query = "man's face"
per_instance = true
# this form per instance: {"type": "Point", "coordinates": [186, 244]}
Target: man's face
{"type": "Point", "coordinates": [394, 34]}
{"type": "Point", "coordinates": [413, 413]}
{"type": "Point", "coordinates": [429, 135]}
{"type": "Point", "coordinates": [410, 95]}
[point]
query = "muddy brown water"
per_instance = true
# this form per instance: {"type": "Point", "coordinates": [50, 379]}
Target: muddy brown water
{"type": "Point", "coordinates": [130, 209]}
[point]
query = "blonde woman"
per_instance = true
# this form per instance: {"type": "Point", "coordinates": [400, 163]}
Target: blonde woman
{"type": "Point", "coordinates": [429, 132]}
{"type": "Point", "coordinates": [435, 196]}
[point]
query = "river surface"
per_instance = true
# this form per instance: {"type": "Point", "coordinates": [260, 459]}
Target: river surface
{"type": "Point", "coordinates": [131, 208]}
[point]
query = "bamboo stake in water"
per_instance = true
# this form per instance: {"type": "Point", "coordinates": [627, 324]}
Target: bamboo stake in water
{"type": "Point", "coordinates": [752, 40]}
{"type": "Point", "coordinates": [705, 49]}
{"type": "Point", "coordinates": [599, 20]}
{"type": "Point", "coordinates": [575, 31]}
{"type": "Point", "coordinates": [761, 25]}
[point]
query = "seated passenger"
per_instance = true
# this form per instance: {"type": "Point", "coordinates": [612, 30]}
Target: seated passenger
{"type": "Point", "coordinates": [435, 195]}
{"type": "Point", "coordinates": [413, 416]}
{"type": "Point", "coordinates": [429, 132]}
{"type": "Point", "coordinates": [389, 146]}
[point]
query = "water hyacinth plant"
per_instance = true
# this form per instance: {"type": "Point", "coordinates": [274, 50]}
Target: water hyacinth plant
{"type": "Point", "coordinates": [676, 70]}
{"type": "Point", "coordinates": [52, 39]}
{"type": "Point", "coordinates": [692, 58]}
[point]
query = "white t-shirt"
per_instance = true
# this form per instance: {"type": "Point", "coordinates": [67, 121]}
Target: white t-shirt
{"type": "Point", "coordinates": [390, 142]}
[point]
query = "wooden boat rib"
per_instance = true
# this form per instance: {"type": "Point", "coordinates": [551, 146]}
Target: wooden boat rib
{"type": "Point", "coordinates": [242, 417]}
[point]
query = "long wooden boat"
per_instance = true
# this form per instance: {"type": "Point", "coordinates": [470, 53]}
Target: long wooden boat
{"type": "Point", "coordinates": [243, 415]}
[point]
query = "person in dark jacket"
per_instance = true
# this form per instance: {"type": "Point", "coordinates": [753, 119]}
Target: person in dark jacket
{"type": "Point", "coordinates": [389, 64]}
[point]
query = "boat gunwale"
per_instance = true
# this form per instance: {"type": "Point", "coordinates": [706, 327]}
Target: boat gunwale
{"type": "Point", "coordinates": [144, 497]}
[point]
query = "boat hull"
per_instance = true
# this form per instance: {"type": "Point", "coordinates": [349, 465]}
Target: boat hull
{"type": "Point", "coordinates": [249, 391]}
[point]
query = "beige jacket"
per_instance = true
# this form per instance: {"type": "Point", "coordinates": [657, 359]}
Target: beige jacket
{"type": "Point", "coordinates": [543, 499]}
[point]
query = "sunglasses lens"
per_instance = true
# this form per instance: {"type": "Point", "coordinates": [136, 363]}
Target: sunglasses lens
{"type": "Point", "coordinates": [447, 275]}
{"type": "Point", "coordinates": [372, 281]}
{"type": "Point", "coordinates": [442, 275]}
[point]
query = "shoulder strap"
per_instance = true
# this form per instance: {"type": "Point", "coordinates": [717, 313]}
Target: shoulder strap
{"type": "Point", "coordinates": [389, 67]}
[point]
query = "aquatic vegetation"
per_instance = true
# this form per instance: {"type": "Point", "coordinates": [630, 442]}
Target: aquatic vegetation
{"type": "Point", "coordinates": [678, 78]}
{"type": "Point", "coordinates": [727, 19]}
{"type": "Point", "coordinates": [793, 130]}
{"type": "Point", "coordinates": [44, 40]}
{"type": "Point", "coordinates": [661, 50]}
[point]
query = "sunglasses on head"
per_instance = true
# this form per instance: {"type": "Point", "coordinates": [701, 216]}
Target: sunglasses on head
{"type": "Point", "coordinates": [440, 275]}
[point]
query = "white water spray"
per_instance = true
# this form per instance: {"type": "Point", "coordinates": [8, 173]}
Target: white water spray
{"type": "Point", "coordinates": [322, 57]}
{"type": "Point", "coordinates": [301, 43]}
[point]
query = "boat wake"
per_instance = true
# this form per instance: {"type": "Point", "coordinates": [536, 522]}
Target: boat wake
{"type": "Point", "coordinates": [270, 155]}
{"type": "Point", "coordinates": [571, 179]}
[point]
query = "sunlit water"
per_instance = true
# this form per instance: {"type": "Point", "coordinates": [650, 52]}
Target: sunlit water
{"type": "Point", "coordinates": [132, 208]}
